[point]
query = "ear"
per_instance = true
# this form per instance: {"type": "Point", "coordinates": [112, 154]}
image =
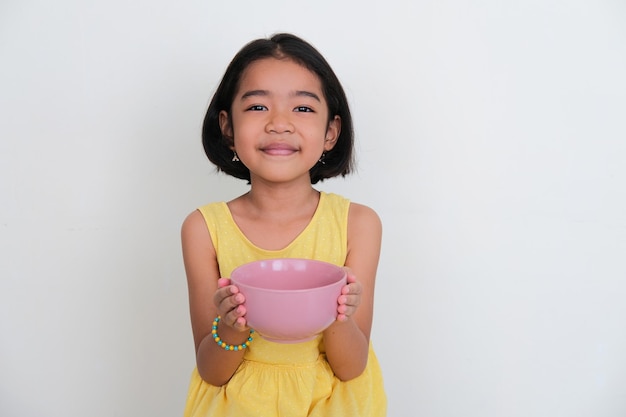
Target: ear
{"type": "Point", "coordinates": [332, 133]}
{"type": "Point", "coordinates": [226, 127]}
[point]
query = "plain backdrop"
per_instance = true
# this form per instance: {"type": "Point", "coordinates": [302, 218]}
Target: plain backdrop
{"type": "Point", "coordinates": [491, 141]}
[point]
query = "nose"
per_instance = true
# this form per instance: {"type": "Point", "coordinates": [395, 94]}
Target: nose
{"type": "Point", "coordinates": [279, 122]}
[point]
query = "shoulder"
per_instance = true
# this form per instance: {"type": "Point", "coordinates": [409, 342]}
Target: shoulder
{"type": "Point", "coordinates": [359, 215]}
{"type": "Point", "coordinates": [363, 216]}
{"type": "Point", "coordinates": [364, 241]}
{"type": "Point", "coordinates": [192, 221]}
{"type": "Point", "coordinates": [203, 215]}
{"type": "Point", "coordinates": [364, 226]}
{"type": "Point", "coordinates": [194, 227]}
{"type": "Point", "coordinates": [197, 244]}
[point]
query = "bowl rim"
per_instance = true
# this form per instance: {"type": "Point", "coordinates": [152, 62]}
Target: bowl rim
{"type": "Point", "coordinates": [341, 279]}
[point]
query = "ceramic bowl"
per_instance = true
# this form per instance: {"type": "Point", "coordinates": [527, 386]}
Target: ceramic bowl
{"type": "Point", "coordinates": [289, 300]}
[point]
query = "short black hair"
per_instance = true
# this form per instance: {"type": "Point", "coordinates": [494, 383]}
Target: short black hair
{"type": "Point", "coordinates": [338, 161]}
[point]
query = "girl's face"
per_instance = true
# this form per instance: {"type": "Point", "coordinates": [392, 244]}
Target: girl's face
{"type": "Point", "coordinates": [280, 122]}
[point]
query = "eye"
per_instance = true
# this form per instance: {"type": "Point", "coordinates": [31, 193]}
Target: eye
{"type": "Point", "coordinates": [303, 109]}
{"type": "Point", "coordinates": [257, 107]}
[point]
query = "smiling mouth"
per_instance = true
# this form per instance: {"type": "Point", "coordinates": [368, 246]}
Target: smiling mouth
{"type": "Point", "coordinates": [279, 150]}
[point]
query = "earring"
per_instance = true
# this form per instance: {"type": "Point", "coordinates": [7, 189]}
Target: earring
{"type": "Point", "coordinates": [321, 160]}
{"type": "Point", "coordinates": [235, 158]}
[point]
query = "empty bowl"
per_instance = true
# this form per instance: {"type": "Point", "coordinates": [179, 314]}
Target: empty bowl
{"type": "Point", "coordinates": [289, 300]}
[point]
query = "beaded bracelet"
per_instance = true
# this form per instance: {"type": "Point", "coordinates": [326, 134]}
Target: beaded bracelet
{"type": "Point", "coordinates": [225, 345]}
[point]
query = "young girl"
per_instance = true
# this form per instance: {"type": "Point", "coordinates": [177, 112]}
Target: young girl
{"type": "Point", "coordinates": [280, 120]}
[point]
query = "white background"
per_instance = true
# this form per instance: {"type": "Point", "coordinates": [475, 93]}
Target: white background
{"type": "Point", "coordinates": [491, 141]}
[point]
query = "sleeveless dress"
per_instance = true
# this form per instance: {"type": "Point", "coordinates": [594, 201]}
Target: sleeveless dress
{"type": "Point", "coordinates": [286, 380]}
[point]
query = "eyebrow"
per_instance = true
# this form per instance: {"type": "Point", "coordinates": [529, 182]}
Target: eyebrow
{"type": "Point", "coordinates": [264, 93]}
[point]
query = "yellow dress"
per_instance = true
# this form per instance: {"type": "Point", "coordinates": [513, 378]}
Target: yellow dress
{"type": "Point", "coordinates": [286, 380]}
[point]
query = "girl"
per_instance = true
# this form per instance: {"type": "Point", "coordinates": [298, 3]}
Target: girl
{"type": "Point", "coordinates": [280, 120]}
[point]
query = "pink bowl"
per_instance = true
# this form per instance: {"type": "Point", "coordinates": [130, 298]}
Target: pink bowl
{"type": "Point", "coordinates": [289, 300]}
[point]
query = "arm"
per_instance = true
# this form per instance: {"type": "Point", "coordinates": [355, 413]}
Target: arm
{"type": "Point", "coordinates": [347, 339]}
{"type": "Point", "coordinates": [215, 365]}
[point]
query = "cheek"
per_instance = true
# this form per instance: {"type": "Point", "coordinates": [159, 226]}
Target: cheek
{"type": "Point", "coordinates": [243, 128]}
{"type": "Point", "coordinates": [318, 134]}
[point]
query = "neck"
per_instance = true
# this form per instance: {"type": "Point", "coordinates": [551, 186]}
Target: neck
{"type": "Point", "coordinates": [280, 197]}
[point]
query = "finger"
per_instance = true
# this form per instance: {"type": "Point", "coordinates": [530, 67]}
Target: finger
{"type": "Point", "coordinates": [236, 318]}
{"type": "Point", "coordinates": [353, 300]}
{"type": "Point", "coordinates": [222, 282]}
{"type": "Point", "coordinates": [349, 300]}
{"type": "Point", "coordinates": [220, 295]}
{"type": "Point", "coordinates": [352, 288]}
{"type": "Point", "coordinates": [227, 302]}
{"type": "Point", "coordinates": [233, 302]}
{"type": "Point", "coordinates": [342, 317]}
{"type": "Point", "coordinates": [241, 323]}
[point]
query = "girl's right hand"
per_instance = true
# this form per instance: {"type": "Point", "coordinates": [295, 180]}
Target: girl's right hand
{"type": "Point", "coordinates": [229, 302]}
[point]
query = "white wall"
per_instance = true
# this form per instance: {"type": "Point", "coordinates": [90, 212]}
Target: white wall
{"type": "Point", "coordinates": [492, 141]}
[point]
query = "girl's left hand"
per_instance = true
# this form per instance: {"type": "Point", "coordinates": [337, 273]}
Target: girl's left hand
{"type": "Point", "coordinates": [350, 297]}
